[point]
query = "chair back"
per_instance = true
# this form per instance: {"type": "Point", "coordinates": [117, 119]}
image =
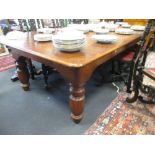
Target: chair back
{"type": "Point", "coordinates": [60, 23]}
{"type": "Point", "coordinates": [27, 25]}
{"type": "Point", "coordinates": [145, 43]}
{"type": "Point", "coordinates": [144, 47]}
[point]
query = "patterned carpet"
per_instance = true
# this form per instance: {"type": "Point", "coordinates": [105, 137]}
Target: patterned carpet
{"type": "Point", "coordinates": [6, 62]}
{"type": "Point", "coordinates": [122, 118]}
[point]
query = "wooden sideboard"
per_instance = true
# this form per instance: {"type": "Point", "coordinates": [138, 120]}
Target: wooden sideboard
{"type": "Point", "coordinates": [136, 21]}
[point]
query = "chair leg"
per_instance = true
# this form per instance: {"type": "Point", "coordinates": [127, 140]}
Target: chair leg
{"type": "Point", "coordinates": [45, 74]}
{"type": "Point", "coordinates": [129, 82]}
{"type": "Point", "coordinates": [123, 73]}
{"type": "Point", "coordinates": [150, 101]}
{"type": "Point", "coordinates": [119, 67]}
{"type": "Point", "coordinates": [135, 92]}
{"type": "Point", "coordinates": [116, 71]}
{"type": "Point", "coordinates": [115, 67]}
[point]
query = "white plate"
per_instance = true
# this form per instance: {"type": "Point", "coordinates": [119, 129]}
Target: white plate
{"type": "Point", "coordinates": [83, 27]}
{"type": "Point", "coordinates": [43, 37]}
{"type": "Point", "coordinates": [101, 31]}
{"type": "Point", "coordinates": [16, 35]}
{"type": "Point", "coordinates": [126, 26]}
{"type": "Point", "coordinates": [102, 24]}
{"type": "Point", "coordinates": [105, 38]}
{"type": "Point", "coordinates": [91, 27]}
{"type": "Point", "coordinates": [138, 28]}
{"type": "Point", "coordinates": [46, 30]}
{"type": "Point", "coordinates": [123, 31]}
{"type": "Point", "coordinates": [69, 36]}
{"type": "Point", "coordinates": [69, 48]}
{"type": "Point", "coordinates": [71, 30]}
{"type": "Point", "coordinates": [121, 23]}
{"type": "Point", "coordinates": [111, 27]}
{"type": "Point", "coordinates": [69, 42]}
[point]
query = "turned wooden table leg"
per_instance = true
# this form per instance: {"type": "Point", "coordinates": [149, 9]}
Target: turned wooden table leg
{"type": "Point", "coordinates": [23, 73]}
{"type": "Point", "coordinates": [30, 66]}
{"type": "Point", "coordinates": [77, 97]}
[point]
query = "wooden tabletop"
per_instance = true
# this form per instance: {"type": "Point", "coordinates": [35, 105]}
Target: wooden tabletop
{"type": "Point", "coordinates": [91, 52]}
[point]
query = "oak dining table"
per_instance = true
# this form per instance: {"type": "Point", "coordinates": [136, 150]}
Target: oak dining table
{"type": "Point", "coordinates": [76, 67]}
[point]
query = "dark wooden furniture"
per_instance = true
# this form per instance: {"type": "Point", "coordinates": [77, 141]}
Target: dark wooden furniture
{"type": "Point", "coordinates": [150, 72]}
{"type": "Point", "coordinates": [136, 86]}
{"type": "Point", "coordinates": [122, 63]}
{"type": "Point", "coordinates": [76, 68]}
{"type": "Point", "coordinates": [30, 25]}
{"type": "Point", "coordinates": [136, 21]}
{"type": "Point", "coordinates": [125, 60]}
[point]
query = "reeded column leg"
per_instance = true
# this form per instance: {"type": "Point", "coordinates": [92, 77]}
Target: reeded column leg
{"type": "Point", "coordinates": [77, 97]}
{"type": "Point", "coordinates": [23, 73]}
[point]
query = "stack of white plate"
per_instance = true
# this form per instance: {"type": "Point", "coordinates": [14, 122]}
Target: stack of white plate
{"type": "Point", "coordinates": [121, 23]}
{"type": "Point", "coordinates": [111, 27]}
{"type": "Point", "coordinates": [105, 38]}
{"type": "Point", "coordinates": [69, 42]}
{"type": "Point", "coordinates": [79, 27]}
{"type": "Point", "coordinates": [138, 28]}
{"type": "Point", "coordinates": [43, 37]}
{"type": "Point", "coordinates": [123, 31]}
{"type": "Point", "coordinates": [46, 30]}
{"type": "Point", "coordinates": [69, 30]}
{"type": "Point", "coordinates": [126, 26]}
{"type": "Point", "coordinates": [101, 31]}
